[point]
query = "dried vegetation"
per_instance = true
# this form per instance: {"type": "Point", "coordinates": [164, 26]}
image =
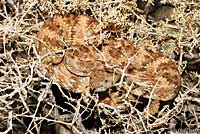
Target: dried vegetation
{"type": "Point", "coordinates": [30, 102]}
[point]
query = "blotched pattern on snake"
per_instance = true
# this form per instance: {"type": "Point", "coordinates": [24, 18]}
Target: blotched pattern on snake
{"type": "Point", "coordinates": [74, 55]}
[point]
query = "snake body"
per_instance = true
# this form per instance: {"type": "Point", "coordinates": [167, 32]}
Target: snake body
{"type": "Point", "coordinates": [77, 58]}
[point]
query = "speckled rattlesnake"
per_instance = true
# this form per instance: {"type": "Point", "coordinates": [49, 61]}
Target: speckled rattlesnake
{"type": "Point", "coordinates": [74, 57]}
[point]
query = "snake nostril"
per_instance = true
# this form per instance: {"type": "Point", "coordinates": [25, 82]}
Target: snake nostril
{"type": "Point", "coordinates": [65, 47]}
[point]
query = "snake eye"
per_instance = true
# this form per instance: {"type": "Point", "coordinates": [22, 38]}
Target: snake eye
{"type": "Point", "coordinates": [59, 53]}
